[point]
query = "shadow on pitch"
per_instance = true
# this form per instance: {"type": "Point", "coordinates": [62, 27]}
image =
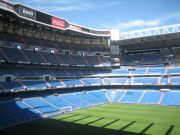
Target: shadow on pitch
{"type": "Point", "coordinates": [61, 127]}
{"type": "Point", "coordinates": [58, 127]}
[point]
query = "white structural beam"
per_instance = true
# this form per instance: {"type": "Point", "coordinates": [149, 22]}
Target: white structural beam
{"type": "Point", "coordinates": [150, 32]}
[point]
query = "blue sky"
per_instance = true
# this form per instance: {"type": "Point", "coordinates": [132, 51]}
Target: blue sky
{"type": "Point", "coordinates": [125, 15]}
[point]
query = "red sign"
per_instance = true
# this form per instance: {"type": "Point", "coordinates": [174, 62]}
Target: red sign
{"type": "Point", "coordinates": [59, 23]}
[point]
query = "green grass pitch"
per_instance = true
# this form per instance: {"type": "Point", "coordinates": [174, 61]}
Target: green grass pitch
{"type": "Point", "coordinates": [108, 119]}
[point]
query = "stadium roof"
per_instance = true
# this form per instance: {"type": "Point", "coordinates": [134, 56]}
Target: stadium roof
{"type": "Point", "coordinates": [37, 17]}
{"type": "Point", "coordinates": [32, 15]}
{"type": "Point", "coordinates": [168, 29]}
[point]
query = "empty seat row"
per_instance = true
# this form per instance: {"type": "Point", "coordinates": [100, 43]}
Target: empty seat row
{"type": "Point", "coordinates": [26, 108]}
{"type": "Point", "coordinates": [33, 85]}
{"type": "Point", "coordinates": [17, 39]}
{"type": "Point", "coordinates": [20, 72]}
{"type": "Point", "coordinates": [37, 57]}
{"type": "Point", "coordinates": [156, 70]}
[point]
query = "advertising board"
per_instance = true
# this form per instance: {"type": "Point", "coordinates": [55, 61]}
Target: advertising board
{"type": "Point", "coordinates": [56, 22]}
{"type": "Point", "coordinates": [26, 12]}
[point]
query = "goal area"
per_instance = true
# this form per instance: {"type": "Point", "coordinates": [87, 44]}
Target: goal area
{"type": "Point", "coordinates": [66, 109]}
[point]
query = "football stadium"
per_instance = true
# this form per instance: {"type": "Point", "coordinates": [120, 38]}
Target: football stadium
{"type": "Point", "coordinates": [57, 77]}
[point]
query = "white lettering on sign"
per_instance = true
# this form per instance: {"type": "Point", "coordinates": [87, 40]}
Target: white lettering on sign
{"type": "Point", "coordinates": [28, 12]}
{"type": "Point", "coordinates": [73, 27]}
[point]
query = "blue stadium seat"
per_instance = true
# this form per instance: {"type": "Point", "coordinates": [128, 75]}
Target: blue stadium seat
{"type": "Point", "coordinates": [31, 85]}
{"type": "Point", "coordinates": [108, 81]}
{"type": "Point", "coordinates": [164, 80]}
{"type": "Point", "coordinates": [175, 80]}
{"type": "Point", "coordinates": [156, 70]}
{"type": "Point", "coordinates": [131, 96]}
{"type": "Point", "coordinates": [171, 98]}
{"type": "Point", "coordinates": [89, 98]}
{"type": "Point", "coordinates": [174, 70]}
{"type": "Point", "coordinates": [11, 85]}
{"type": "Point", "coordinates": [99, 94]}
{"type": "Point", "coordinates": [92, 81]}
{"type": "Point", "coordinates": [122, 71]}
{"type": "Point", "coordinates": [41, 105]}
{"type": "Point", "coordinates": [151, 97]}
{"type": "Point", "coordinates": [145, 80]}
{"type": "Point", "coordinates": [14, 55]}
{"type": "Point", "coordinates": [139, 71]}
{"type": "Point", "coordinates": [117, 96]}
{"type": "Point", "coordinates": [74, 100]}
{"type": "Point", "coordinates": [55, 84]}
{"type": "Point", "coordinates": [56, 101]}
{"type": "Point", "coordinates": [72, 82]}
